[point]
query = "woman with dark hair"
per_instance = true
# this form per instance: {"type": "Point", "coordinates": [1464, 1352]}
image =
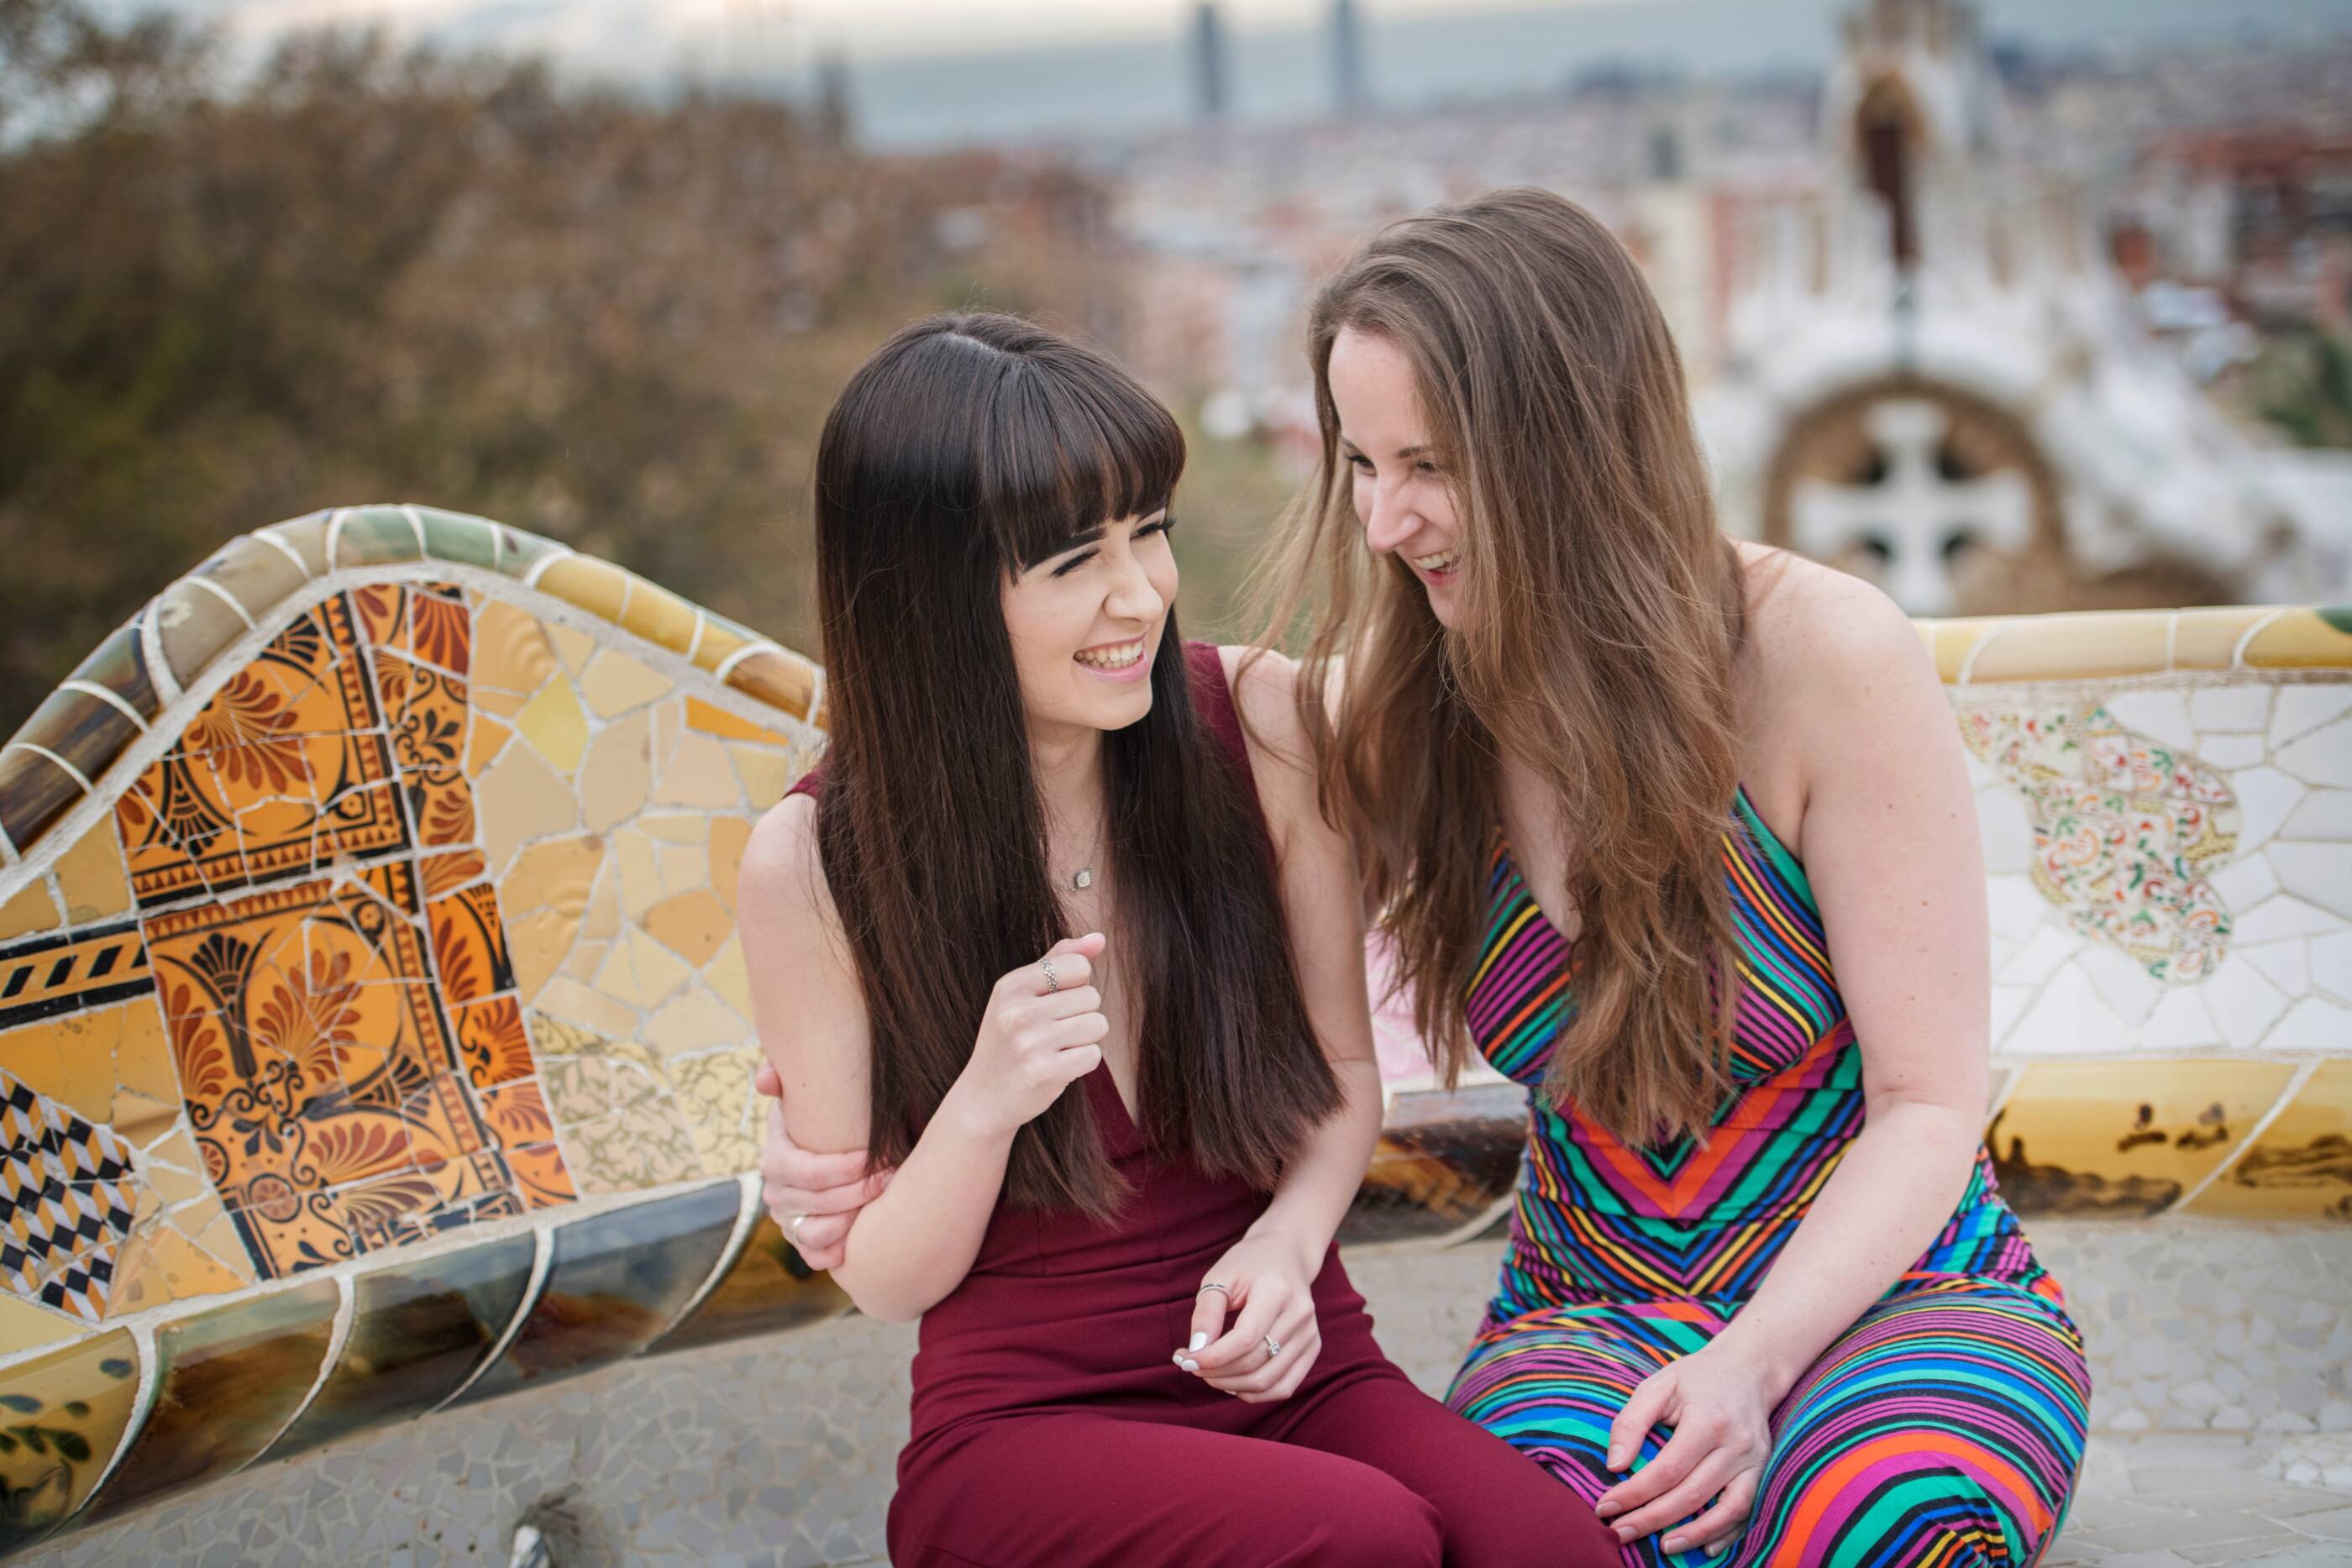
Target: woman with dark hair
{"type": "Point", "coordinates": [1130, 1352]}
{"type": "Point", "coordinates": [1674, 831]}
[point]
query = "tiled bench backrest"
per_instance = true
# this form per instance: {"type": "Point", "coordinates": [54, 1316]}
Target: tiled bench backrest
{"type": "Point", "coordinates": [373, 1033]}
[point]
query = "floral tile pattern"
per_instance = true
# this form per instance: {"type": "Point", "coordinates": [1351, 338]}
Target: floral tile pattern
{"type": "Point", "coordinates": [2124, 830]}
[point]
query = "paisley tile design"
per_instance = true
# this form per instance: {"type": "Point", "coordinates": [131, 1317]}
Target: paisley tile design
{"type": "Point", "coordinates": [616, 1281]}
{"type": "Point", "coordinates": [227, 1380]}
{"type": "Point", "coordinates": [61, 1418]}
{"type": "Point", "coordinates": [418, 1330]}
{"type": "Point", "coordinates": [2125, 830]}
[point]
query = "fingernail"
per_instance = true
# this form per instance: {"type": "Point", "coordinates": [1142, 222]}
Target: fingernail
{"type": "Point", "coordinates": [1606, 1510]}
{"type": "Point", "coordinates": [1189, 1365]}
{"type": "Point", "coordinates": [1623, 1533]}
{"type": "Point", "coordinates": [1200, 1342]}
{"type": "Point", "coordinates": [1672, 1544]}
{"type": "Point", "coordinates": [1616, 1460]}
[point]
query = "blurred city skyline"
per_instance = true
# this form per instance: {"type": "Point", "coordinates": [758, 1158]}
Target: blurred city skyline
{"type": "Point", "coordinates": [941, 72]}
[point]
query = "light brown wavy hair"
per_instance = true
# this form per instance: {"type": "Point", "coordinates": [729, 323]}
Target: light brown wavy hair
{"type": "Point", "coordinates": [1599, 611]}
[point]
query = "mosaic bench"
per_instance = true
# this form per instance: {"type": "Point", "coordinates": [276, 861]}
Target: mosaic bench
{"type": "Point", "coordinates": [373, 1037]}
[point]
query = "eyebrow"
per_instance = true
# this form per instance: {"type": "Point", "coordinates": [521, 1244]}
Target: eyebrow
{"type": "Point", "coordinates": [1422, 451]}
{"type": "Point", "coordinates": [1092, 535]}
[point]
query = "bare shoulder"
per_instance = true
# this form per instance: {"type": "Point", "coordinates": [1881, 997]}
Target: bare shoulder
{"type": "Point", "coordinates": [1264, 682]}
{"type": "Point", "coordinates": [1817, 634]}
{"type": "Point", "coordinates": [782, 879]}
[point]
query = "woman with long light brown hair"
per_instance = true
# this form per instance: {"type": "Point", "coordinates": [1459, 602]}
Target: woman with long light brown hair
{"type": "Point", "coordinates": [1674, 831]}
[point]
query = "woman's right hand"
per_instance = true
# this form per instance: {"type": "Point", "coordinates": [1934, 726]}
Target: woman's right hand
{"type": "Point", "coordinates": [1034, 1043]}
{"type": "Point", "coordinates": [813, 1198]}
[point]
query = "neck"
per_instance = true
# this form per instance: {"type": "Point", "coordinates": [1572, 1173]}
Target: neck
{"type": "Point", "coordinates": [1066, 761]}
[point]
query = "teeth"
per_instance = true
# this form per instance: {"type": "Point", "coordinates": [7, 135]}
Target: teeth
{"type": "Point", "coordinates": [1441, 561]}
{"type": "Point", "coordinates": [1117, 658]}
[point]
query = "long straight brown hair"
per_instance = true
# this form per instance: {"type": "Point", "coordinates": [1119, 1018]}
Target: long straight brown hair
{"type": "Point", "coordinates": [970, 446]}
{"type": "Point", "coordinates": [1599, 611]}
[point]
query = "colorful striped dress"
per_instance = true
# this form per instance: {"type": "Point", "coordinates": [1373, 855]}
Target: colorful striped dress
{"type": "Point", "coordinates": [1944, 1427]}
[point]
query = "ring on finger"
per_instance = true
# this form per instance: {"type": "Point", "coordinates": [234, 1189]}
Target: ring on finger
{"type": "Point", "coordinates": [1052, 984]}
{"type": "Point", "coordinates": [793, 1227]}
{"type": "Point", "coordinates": [1272, 1347]}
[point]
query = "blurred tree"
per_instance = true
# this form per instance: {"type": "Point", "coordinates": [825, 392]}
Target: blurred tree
{"type": "Point", "coordinates": [370, 273]}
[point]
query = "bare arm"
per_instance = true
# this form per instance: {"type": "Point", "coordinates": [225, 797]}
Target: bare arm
{"type": "Point", "coordinates": [1890, 846]}
{"type": "Point", "coordinates": [916, 1241]}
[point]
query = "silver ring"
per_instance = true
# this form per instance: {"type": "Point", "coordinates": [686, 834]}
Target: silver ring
{"type": "Point", "coordinates": [1213, 1285]}
{"type": "Point", "coordinates": [1052, 985]}
{"type": "Point", "coordinates": [793, 1227]}
{"type": "Point", "coordinates": [1272, 1347]}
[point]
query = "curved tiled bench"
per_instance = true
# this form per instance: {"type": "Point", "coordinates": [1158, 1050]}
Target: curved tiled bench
{"type": "Point", "coordinates": [372, 1028]}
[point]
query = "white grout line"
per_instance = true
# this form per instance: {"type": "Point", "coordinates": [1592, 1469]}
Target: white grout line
{"type": "Point", "coordinates": [694, 644]}
{"type": "Point", "coordinates": [223, 594]}
{"type": "Point", "coordinates": [2172, 640]}
{"type": "Point", "coordinates": [541, 567]}
{"type": "Point", "coordinates": [1969, 664]}
{"type": "Point", "coordinates": [416, 526]}
{"type": "Point", "coordinates": [93, 689]}
{"type": "Point", "coordinates": [269, 535]}
{"type": "Point", "coordinates": [142, 1339]}
{"type": "Point", "coordinates": [168, 689]}
{"type": "Point", "coordinates": [540, 1259]}
{"type": "Point", "coordinates": [747, 1215]}
{"type": "Point", "coordinates": [2253, 1134]}
{"type": "Point", "coordinates": [2238, 651]}
{"type": "Point", "coordinates": [335, 538]}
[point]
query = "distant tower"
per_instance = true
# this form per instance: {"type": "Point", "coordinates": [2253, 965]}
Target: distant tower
{"type": "Point", "coordinates": [1208, 62]}
{"type": "Point", "coordinates": [835, 123]}
{"type": "Point", "coordinates": [1347, 58]}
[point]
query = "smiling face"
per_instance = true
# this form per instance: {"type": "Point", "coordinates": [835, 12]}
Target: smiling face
{"type": "Point", "coordinates": [1085, 625]}
{"type": "Point", "coordinates": [1404, 496]}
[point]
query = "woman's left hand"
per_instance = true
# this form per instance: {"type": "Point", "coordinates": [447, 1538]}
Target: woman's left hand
{"type": "Point", "coordinates": [1268, 1291]}
{"type": "Point", "coordinates": [1720, 1405]}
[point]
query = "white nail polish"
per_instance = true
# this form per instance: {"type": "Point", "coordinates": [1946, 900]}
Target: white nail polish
{"type": "Point", "coordinates": [1200, 1342]}
{"type": "Point", "coordinates": [1189, 1365]}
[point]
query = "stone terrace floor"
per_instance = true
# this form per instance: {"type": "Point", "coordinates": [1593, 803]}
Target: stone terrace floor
{"type": "Point", "coordinates": [2177, 1500]}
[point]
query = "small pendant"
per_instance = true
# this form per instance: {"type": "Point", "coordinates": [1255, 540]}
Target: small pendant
{"type": "Point", "coordinates": [1084, 878]}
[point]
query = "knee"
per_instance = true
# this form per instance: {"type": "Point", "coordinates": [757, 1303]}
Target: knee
{"type": "Point", "coordinates": [1379, 1523]}
{"type": "Point", "coordinates": [1930, 1514]}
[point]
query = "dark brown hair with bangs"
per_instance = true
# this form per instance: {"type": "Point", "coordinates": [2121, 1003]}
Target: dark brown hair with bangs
{"type": "Point", "coordinates": [969, 447]}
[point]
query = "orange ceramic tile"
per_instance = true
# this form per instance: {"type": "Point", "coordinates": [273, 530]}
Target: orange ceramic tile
{"type": "Point", "coordinates": [2303, 640]}
{"type": "Point", "coordinates": [24, 1325]}
{"type": "Point", "coordinates": [573, 648]}
{"type": "Point", "coordinates": [68, 1198]}
{"type": "Point", "coordinates": [33, 909]}
{"type": "Point", "coordinates": [541, 1175]}
{"type": "Point", "coordinates": [446, 871]}
{"type": "Point", "coordinates": [597, 586]}
{"type": "Point", "coordinates": [691, 924]}
{"type": "Point", "coordinates": [487, 738]}
{"type": "Point", "coordinates": [493, 1042]}
{"type": "Point", "coordinates": [2124, 1138]}
{"type": "Point", "coordinates": [42, 977]}
{"type": "Point", "coordinates": [2301, 1167]}
{"type": "Point", "coordinates": [427, 624]}
{"type": "Point", "coordinates": [712, 720]}
{"type": "Point", "coordinates": [469, 948]}
{"type": "Point", "coordinates": [613, 683]}
{"type": "Point", "coordinates": [91, 875]}
{"type": "Point", "coordinates": [79, 1399]}
{"type": "Point", "coordinates": [70, 1058]}
{"type": "Point", "coordinates": [279, 769]}
{"type": "Point", "coordinates": [331, 1064]}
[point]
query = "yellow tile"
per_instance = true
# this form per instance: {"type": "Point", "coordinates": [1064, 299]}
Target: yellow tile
{"type": "Point", "coordinates": [782, 680]}
{"type": "Point", "coordinates": [483, 744]}
{"type": "Point", "coordinates": [717, 642]}
{"type": "Point", "coordinates": [520, 799]}
{"type": "Point", "coordinates": [570, 1001]}
{"type": "Point", "coordinates": [189, 1271]}
{"type": "Point", "coordinates": [175, 1169]}
{"type": "Point", "coordinates": [511, 652]}
{"type": "Point", "coordinates": [556, 874]}
{"type": "Point", "coordinates": [552, 723]}
{"type": "Point", "coordinates": [585, 958]}
{"type": "Point", "coordinates": [712, 720]}
{"type": "Point", "coordinates": [684, 867]}
{"type": "Point", "coordinates": [2058, 647]}
{"type": "Point", "coordinates": [572, 646]}
{"type": "Point", "coordinates": [617, 772]}
{"type": "Point", "coordinates": [2208, 638]}
{"type": "Point", "coordinates": [2297, 1169]}
{"type": "Point", "coordinates": [143, 1056]}
{"type": "Point", "coordinates": [640, 971]}
{"type": "Point", "coordinates": [726, 976]}
{"type": "Point", "coordinates": [765, 774]}
{"type": "Point", "coordinates": [537, 944]}
{"type": "Point", "coordinates": [613, 683]}
{"type": "Point", "coordinates": [695, 1021]}
{"type": "Point", "coordinates": [24, 1325]}
{"type": "Point", "coordinates": [698, 776]}
{"type": "Point", "coordinates": [1952, 643]}
{"type": "Point", "coordinates": [138, 1278]}
{"type": "Point", "coordinates": [2300, 640]}
{"type": "Point", "coordinates": [597, 586]}
{"type": "Point", "coordinates": [2126, 1137]}
{"type": "Point", "coordinates": [70, 1058]}
{"type": "Point", "coordinates": [638, 863]}
{"type": "Point", "coordinates": [729, 837]}
{"type": "Point", "coordinates": [690, 925]}
{"type": "Point", "coordinates": [142, 1120]}
{"type": "Point", "coordinates": [30, 911]}
{"type": "Point", "coordinates": [660, 617]}
{"type": "Point", "coordinates": [91, 875]}
{"type": "Point", "coordinates": [217, 1239]}
{"type": "Point", "coordinates": [604, 919]}
{"type": "Point", "coordinates": [675, 827]}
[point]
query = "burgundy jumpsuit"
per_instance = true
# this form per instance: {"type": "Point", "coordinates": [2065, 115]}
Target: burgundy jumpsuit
{"type": "Point", "coordinates": [1050, 1427]}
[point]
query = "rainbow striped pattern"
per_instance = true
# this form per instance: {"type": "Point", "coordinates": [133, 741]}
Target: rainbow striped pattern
{"type": "Point", "coordinates": [1944, 1427]}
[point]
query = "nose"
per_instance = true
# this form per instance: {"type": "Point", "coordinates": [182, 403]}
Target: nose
{"type": "Point", "coordinates": [1131, 595]}
{"type": "Point", "coordinates": [1387, 520]}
